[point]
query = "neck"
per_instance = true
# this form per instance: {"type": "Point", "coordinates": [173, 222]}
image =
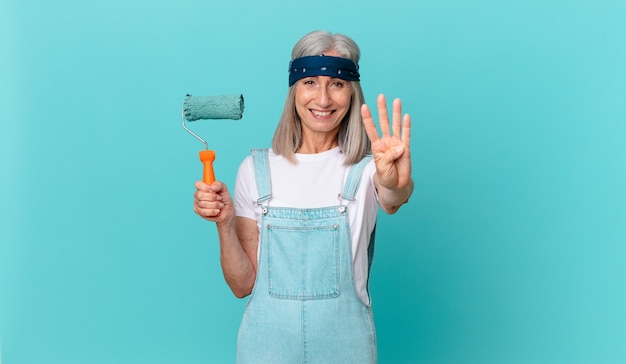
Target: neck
{"type": "Point", "coordinates": [313, 147]}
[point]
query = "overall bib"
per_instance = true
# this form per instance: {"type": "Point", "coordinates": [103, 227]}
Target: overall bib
{"type": "Point", "coordinates": [304, 307]}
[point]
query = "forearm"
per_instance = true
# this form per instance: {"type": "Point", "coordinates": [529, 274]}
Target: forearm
{"type": "Point", "coordinates": [237, 265]}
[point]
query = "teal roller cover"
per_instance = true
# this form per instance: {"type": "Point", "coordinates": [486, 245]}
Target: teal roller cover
{"type": "Point", "coordinates": [213, 107]}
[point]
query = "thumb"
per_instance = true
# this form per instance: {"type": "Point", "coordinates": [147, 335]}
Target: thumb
{"type": "Point", "coordinates": [394, 153]}
{"type": "Point", "coordinates": [201, 186]}
{"type": "Point", "coordinates": [390, 156]}
{"type": "Point", "coordinates": [219, 187]}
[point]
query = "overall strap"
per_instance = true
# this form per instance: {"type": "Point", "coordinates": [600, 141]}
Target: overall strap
{"type": "Point", "coordinates": [262, 174]}
{"type": "Point", "coordinates": [354, 179]}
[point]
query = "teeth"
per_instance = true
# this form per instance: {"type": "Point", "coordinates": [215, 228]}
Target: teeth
{"type": "Point", "coordinates": [321, 113]}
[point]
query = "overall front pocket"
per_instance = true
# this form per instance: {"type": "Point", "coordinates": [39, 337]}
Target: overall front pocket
{"type": "Point", "coordinates": [303, 262]}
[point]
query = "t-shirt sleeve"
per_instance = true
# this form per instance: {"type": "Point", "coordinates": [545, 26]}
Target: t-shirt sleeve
{"type": "Point", "coordinates": [245, 190]}
{"type": "Point", "coordinates": [372, 204]}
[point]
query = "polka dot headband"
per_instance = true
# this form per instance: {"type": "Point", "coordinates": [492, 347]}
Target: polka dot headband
{"type": "Point", "coordinates": [323, 66]}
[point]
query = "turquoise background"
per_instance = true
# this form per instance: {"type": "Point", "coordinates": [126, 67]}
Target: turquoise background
{"type": "Point", "coordinates": [511, 250]}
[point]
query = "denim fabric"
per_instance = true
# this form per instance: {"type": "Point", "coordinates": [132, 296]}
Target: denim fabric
{"type": "Point", "coordinates": [304, 307]}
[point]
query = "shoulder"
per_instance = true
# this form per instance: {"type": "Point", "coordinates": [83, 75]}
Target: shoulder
{"type": "Point", "coordinates": [246, 167]}
{"type": "Point", "coordinates": [249, 160]}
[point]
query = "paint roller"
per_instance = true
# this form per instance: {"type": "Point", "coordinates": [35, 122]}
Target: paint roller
{"type": "Point", "coordinates": [210, 107]}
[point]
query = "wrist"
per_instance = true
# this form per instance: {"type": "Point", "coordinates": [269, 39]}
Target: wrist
{"type": "Point", "coordinates": [392, 198]}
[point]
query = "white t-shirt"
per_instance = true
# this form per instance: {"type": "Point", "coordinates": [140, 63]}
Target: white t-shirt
{"type": "Point", "coordinates": [315, 181]}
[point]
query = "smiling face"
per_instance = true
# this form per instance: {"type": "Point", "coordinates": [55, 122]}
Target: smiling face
{"type": "Point", "coordinates": [322, 102]}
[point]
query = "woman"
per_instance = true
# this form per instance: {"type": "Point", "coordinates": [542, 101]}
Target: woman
{"type": "Point", "coordinates": [299, 235]}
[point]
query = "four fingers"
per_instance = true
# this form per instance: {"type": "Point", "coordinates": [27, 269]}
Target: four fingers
{"type": "Point", "coordinates": [400, 126]}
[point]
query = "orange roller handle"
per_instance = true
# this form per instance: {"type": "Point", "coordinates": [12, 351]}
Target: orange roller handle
{"type": "Point", "coordinates": [207, 157]}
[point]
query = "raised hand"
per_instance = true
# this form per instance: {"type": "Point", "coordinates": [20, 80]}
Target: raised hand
{"type": "Point", "coordinates": [391, 150]}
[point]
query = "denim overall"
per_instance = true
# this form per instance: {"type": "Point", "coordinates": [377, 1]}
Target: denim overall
{"type": "Point", "coordinates": [304, 307]}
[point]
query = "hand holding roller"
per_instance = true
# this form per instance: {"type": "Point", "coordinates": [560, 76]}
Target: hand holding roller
{"type": "Point", "coordinates": [210, 107]}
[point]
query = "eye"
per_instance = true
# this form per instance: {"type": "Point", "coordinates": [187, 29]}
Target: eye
{"type": "Point", "coordinates": [339, 83]}
{"type": "Point", "coordinates": [308, 81]}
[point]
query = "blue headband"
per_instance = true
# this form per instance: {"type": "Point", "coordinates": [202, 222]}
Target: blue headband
{"type": "Point", "coordinates": [323, 66]}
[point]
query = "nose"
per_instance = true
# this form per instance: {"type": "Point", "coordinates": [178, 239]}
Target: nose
{"type": "Point", "coordinates": [323, 97]}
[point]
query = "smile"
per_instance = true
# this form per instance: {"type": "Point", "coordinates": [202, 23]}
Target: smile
{"type": "Point", "coordinates": [321, 113]}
